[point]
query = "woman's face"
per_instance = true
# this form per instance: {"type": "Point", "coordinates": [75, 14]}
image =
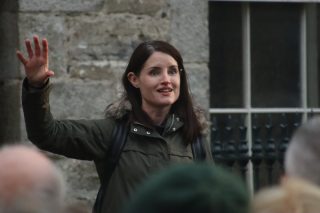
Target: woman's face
{"type": "Point", "coordinates": [158, 81]}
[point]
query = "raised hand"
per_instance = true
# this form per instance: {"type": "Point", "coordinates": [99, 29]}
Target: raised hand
{"type": "Point", "coordinates": [37, 65]}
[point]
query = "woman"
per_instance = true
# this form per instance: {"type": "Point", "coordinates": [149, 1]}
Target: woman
{"type": "Point", "coordinates": [156, 104]}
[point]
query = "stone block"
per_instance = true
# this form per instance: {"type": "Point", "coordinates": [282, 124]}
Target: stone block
{"type": "Point", "coordinates": [9, 111]}
{"type": "Point", "coordinates": [9, 6]}
{"type": "Point", "coordinates": [76, 99]}
{"type": "Point", "coordinates": [58, 5]}
{"type": "Point", "coordinates": [9, 67]}
{"type": "Point", "coordinates": [98, 70]}
{"type": "Point", "coordinates": [145, 7]}
{"type": "Point", "coordinates": [82, 180]}
{"type": "Point", "coordinates": [189, 29]}
{"type": "Point", "coordinates": [46, 26]}
{"type": "Point", "coordinates": [111, 37]}
{"type": "Point", "coordinates": [198, 76]}
{"type": "Point", "coordinates": [23, 133]}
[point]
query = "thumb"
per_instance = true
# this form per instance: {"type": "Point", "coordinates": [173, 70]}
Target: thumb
{"type": "Point", "coordinates": [50, 73]}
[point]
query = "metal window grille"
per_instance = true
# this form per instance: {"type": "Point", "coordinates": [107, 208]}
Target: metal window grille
{"type": "Point", "coordinates": [252, 140]}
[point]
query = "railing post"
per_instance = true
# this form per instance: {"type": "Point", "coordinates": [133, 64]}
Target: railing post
{"type": "Point", "coordinates": [257, 153]}
{"type": "Point", "coordinates": [243, 150]}
{"type": "Point", "coordinates": [270, 148]}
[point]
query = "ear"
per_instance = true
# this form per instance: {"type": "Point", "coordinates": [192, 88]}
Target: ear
{"type": "Point", "coordinates": [134, 80]}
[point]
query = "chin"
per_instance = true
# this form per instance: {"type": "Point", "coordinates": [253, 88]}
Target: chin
{"type": "Point", "coordinates": [166, 103]}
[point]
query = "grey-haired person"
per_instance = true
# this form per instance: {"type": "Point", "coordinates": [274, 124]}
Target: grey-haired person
{"type": "Point", "coordinates": [302, 156]}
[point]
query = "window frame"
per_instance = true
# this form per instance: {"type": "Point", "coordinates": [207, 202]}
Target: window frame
{"type": "Point", "coordinates": [247, 110]}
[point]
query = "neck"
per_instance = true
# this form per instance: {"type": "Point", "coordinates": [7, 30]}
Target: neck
{"type": "Point", "coordinates": [158, 115]}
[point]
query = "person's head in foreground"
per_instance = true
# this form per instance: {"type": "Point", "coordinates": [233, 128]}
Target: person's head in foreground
{"type": "Point", "coordinates": [293, 195]}
{"type": "Point", "coordinates": [29, 182]}
{"type": "Point", "coordinates": [191, 188]}
{"type": "Point", "coordinates": [302, 156]}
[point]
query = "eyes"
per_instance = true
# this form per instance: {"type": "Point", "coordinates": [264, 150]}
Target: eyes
{"type": "Point", "coordinates": [172, 71]}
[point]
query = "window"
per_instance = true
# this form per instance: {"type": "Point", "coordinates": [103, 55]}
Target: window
{"type": "Point", "coordinates": [264, 81]}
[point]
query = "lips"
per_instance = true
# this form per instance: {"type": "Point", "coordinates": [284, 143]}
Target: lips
{"type": "Point", "coordinates": [165, 90]}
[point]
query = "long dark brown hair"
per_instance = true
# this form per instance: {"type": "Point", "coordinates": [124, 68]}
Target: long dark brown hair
{"type": "Point", "coordinates": [183, 107]}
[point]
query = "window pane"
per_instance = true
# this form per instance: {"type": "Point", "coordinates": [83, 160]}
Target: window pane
{"type": "Point", "coordinates": [313, 32]}
{"type": "Point", "coordinates": [225, 54]}
{"type": "Point", "coordinates": [275, 54]}
{"type": "Point", "coordinates": [317, 87]}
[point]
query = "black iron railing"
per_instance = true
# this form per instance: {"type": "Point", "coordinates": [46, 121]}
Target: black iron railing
{"type": "Point", "coordinates": [234, 148]}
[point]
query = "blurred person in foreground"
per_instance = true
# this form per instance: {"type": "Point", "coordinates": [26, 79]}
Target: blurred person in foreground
{"type": "Point", "coordinates": [191, 188]}
{"type": "Point", "coordinates": [29, 182]}
{"type": "Point", "coordinates": [293, 195]}
{"type": "Point", "coordinates": [302, 156]}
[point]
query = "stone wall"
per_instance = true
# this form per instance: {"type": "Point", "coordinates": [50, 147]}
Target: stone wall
{"type": "Point", "coordinates": [90, 42]}
{"type": "Point", "coordinates": [9, 73]}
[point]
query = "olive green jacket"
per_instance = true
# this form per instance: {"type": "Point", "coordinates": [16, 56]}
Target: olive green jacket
{"type": "Point", "coordinates": [145, 151]}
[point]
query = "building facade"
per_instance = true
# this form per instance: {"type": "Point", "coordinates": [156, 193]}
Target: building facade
{"type": "Point", "coordinates": [253, 65]}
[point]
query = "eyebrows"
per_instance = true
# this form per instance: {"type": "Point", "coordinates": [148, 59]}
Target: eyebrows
{"type": "Point", "coordinates": [160, 67]}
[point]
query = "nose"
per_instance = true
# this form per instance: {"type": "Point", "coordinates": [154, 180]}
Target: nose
{"type": "Point", "coordinates": [165, 77]}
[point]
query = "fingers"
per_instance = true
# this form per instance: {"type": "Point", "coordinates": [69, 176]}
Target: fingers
{"type": "Point", "coordinates": [36, 45]}
{"type": "Point", "coordinates": [23, 60]}
{"type": "Point", "coordinates": [45, 48]}
{"type": "Point", "coordinates": [37, 48]}
{"type": "Point", "coordinates": [29, 48]}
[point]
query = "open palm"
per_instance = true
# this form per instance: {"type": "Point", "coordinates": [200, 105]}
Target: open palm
{"type": "Point", "coordinates": [36, 66]}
